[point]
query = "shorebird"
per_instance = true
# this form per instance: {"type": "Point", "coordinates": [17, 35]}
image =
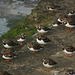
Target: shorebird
{"type": "Point", "coordinates": [70, 23]}
{"type": "Point", "coordinates": [70, 72]}
{"type": "Point", "coordinates": [42, 39]}
{"type": "Point", "coordinates": [67, 21]}
{"type": "Point", "coordinates": [52, 7]}
{"type": "Point", "coordinates": [61, 18]}
{"type": "Point", "coordinates": [69, 50]}
{"type": "Point", "coordinates": [7, 55]}
{"type": "Point", "coordinates": [21, 38]}
{"type": "Point", "coordinates": [4, 51]}
{"type": "Point", "coordinates": [8, 43]}
{"type": "Point", "coordinates": [71, 12]}
{"type": "Point", "coordinates": [33, 46]}
{"type": "Point", "coordinates": [48, 63]}
{"type": "Point", "coordinates": [42, 29]}
{"type": "Point", "coordinates": [55, 23]}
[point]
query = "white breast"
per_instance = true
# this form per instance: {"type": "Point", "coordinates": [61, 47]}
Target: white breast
{"type": "Point", "coordinates": [59, 20]}
{"type": "Point", "coordinates": [40, 41]}
{"type": "Point", "coordinates": [51, 9]}
{"type": "Point", "coordinates": [67, 51]}
{"type": "Point", "coordinates": [32, 49]}
{"type": "Point", "coordinates": [68, 25]}
{"type": "Point", "coordinates": [21, 40]}
{"type": "Point", "coordinates": [42, 31]}
{"type": "Point", "coordinates": [54, 25]}
{"type": "Point", "coordinates": [6, 57]}
{"type": "Point", "coordinates": [69, 14]}
{"type": "Point", "coordinates": [47, 65]}
{"type": "Point", "coordinates": [7, 46]}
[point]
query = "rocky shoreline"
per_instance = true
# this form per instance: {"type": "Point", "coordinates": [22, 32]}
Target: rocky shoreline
{"type": "Point", "coordinates": [31, 64]}
{"type": "Point", "coordinates": [28, 63]}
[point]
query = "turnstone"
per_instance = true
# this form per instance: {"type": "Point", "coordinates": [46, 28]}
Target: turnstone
{"type": "Point", "coordinates": [70, 23]}
{"type": "Point", "coordinates": [42, 29]}
{"type": "Point", "coordinates": [52, 7]}
{"type": "Point", "coordinates": [4, 51]}
{"type": "Point", "coordinates": [55, 23]}
{"type": "Point", "coordinates": [68, 50]}
{"type": "Point", "coordinates": [70, 72]}
{"type": "Point", "coordinates": [33, 46]}
{"type": "Point", "coordinates": [7, 55]}
{"type": "Point", "coordinates": [8, 43]}
{"type": "Point", "coordinates": [61, 18]}
{"type": "Point", "coordinates": [21, 38]}
{"type": "Point", "coordinates": [48, 63]}
{"type": "Point", "coordinates": [71, 12]}
{"type": "Point", "coordinates": [42, 39]}
{"type": "Point", "coordinates": [5, 73]}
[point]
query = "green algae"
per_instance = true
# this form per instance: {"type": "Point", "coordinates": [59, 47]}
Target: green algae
{"type": "Point", "coordinates": [27, 25]}
{"type": "Point", "coordinates": [24, 26]}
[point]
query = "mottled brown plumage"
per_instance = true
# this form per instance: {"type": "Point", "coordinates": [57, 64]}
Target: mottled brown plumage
{"type": "Point", "coordinates": [9, 42]}
{"type": "Point", "coordinates": [49, 61]}
{"type": "Point", "coordinates": [71, 11]}
{"type": "Point", "coordinates": [4, 51]}
{"type": "Point", "coordinates": [70, 20]}
{"type": "Point", "coordinates": [39, 27]}
{"type": "Point", "coordinates": [23, 36]}
{"type": "Point", "coordinates": [69, 48]}
{"type": "Point", "coordinates": [52, 6]}
{"type": "Point", "coordinates": [70, 72]}
{"type": "Point", "coordinates": [7, 53]}
{"type": "Point", "coordinates": [62, 17]}
{"type": "Point", "coordinates": [34, 45]}
{"type": "Point", "coordinates": [41, 37]}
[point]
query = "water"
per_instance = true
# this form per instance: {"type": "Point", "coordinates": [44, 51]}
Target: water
{"type": "Point", "coordinates": [21, 10]}
{"type": "Point", "coordinates": [9, 11]}
{"type": "Point", "coordinates": [3, 26]}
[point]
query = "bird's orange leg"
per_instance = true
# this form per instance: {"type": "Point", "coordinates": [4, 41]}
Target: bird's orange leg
{"type": "Point", "coordinates": [69, 29]}
{"type": "Point", "coordinates": [42, 45]}
{"type": "Point", "coordinates": [42, 34]}
{"type": "Point", "coordinates": [33, 52]}
{"type": "Point", "coordinates": [68, 55]}
{"type": "Point", "coordinates": [50, 12]}
{"type": "Point", "coordinates": [7, 49]}
{"type": "Point", "coordinates": [62, 23]}
{"type": "Point", "coordinates": [21, 43]}
{"type": "Point", "coordinates": [7, 60]}
{"type": "Point", "coordinates": [47, 69]}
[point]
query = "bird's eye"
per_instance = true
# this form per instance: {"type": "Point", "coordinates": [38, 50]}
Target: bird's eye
{"type": "Point", "coordinates": [39, 38]}
{"type": "Point", "coordinates": [63, 48]}
{"type": "Point", "coordinates": [45, 63]}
